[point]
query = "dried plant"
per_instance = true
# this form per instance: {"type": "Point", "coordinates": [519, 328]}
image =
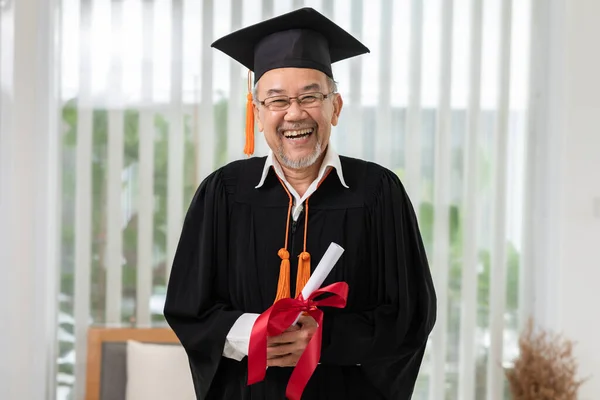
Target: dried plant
{"type": "Point", "coordinates": [545, 369]}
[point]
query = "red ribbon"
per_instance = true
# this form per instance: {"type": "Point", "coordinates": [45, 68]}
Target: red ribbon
{"type": "Point", "coordinates": [279, 317]}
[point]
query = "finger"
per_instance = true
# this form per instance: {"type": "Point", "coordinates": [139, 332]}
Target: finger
{"type": "Point", "coordinates": [282, 350]}
{"type": "Point", "coordinates": [308, 330]}
{"type": "Point", "coordinates": [299, 338]}
{"type": "Point", "coordinates": [272, 357]}
{"type": "Point", "coordinates": [285, 337]}
{"type": "Point", "coordinates": [307, 320]}
{"type": "Point", "coordinates": [287, 361]}
{"type": "Point", "coordinates": [276, 341]}
{"type": "Point", "coordinates": [293, 328]}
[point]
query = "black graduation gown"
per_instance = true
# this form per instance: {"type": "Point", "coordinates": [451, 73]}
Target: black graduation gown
{"type": "Point", "coordinates": [227, 264]}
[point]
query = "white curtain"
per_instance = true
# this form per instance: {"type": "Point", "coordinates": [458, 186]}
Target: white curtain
{"type": "Point", "coordinates": [29, 217]}
{"type": "Point", "coordinates": [149, 109]}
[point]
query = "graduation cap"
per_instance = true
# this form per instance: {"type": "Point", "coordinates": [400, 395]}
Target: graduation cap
{"type": "Point", "coordinates": [300, 39]}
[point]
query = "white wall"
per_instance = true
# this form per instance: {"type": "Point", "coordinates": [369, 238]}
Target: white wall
{"type": "Point", "coordinates": [573, 283]}
{"type": "Point", "coordinates": [579, 309]}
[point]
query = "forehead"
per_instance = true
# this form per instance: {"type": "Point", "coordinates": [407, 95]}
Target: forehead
{"type": "Point", "coordinates": [291, 80]}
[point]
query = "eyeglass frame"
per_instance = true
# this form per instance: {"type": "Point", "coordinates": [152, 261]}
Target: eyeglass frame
{"type": "Point", "coordinates": [325, 96]}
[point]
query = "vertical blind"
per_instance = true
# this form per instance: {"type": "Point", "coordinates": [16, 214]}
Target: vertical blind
{"type": "Point", "coordinates": [149, 110]}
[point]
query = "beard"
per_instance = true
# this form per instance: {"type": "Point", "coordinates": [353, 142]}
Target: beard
{"type": "Point", "coordinates": [302, 162]}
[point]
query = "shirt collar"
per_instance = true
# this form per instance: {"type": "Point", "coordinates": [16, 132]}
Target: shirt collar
{"type": "Point", "coordinates": [332, 159]}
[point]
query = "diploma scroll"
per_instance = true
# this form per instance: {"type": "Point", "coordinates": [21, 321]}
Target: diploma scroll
{"type": "Point", "coordinates": [330, 258]}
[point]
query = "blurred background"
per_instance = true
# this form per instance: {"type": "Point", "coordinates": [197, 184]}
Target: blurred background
{"type": "Point", "coordinates": [113, 111]}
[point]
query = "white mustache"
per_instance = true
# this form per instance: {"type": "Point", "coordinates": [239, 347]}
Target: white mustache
{"type": "Point", "coordinates": [294, 128]}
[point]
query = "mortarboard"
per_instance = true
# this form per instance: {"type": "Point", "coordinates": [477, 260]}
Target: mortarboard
{"type": "Point", "coordinates": [299, 39]}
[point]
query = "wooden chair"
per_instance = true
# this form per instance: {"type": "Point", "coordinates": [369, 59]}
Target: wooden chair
{"type": "Point", "coordinates": [98, 337]}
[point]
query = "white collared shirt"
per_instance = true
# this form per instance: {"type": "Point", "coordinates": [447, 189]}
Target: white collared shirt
{"type": "Point", "coordinates": [238, 338]}
{"type": "Point", "coordinates": [331, 160]}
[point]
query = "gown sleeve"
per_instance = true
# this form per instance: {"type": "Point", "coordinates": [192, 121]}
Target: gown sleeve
{"type": "Point", "coordinates": [197, 306]}
{"type": "Point", "coordinates": [389, 340]}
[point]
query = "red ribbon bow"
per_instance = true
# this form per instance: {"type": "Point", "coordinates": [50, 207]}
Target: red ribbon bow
{"type": "Point", "coordinates": [281, 316]}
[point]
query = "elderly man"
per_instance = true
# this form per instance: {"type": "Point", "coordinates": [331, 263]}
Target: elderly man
{"type": "Point", "coordinates": [254, 223]}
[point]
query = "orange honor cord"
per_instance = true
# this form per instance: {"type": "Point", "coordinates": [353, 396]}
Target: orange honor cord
{"type": "Point", "coordinates": [304, 258]}
{"type": "Point", "coordinates": [249, 146]}
{"type": "Point", "coordinates": [304, 271]}
{"type": "Point", "coordinates": [283, 285]}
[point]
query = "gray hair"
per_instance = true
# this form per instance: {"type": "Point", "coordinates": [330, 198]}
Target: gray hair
{"type": "Point", "coordinates": [330, 82]}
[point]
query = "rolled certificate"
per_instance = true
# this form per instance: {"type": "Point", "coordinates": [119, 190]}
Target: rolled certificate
{"type": "Point", "coordinates": [330, 258]}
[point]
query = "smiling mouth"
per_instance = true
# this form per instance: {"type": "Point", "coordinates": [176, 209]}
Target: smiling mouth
{"type": "Point", "coordinates": [298, 134]}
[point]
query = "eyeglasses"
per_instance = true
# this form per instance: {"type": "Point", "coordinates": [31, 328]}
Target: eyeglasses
{"type": "Point", "coordinates": [306, 100]}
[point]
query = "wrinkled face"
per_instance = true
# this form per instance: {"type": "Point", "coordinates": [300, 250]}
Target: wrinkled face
{"type": "Point", "coordinates": [298, 135]}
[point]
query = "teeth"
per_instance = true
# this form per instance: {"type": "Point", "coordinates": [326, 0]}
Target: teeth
{"type": "Point", "coordinates": [291, 134]}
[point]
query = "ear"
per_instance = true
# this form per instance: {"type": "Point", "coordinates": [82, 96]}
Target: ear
{"type": "Point", "coordinates": [257, 118]}
{"type": "Point", "coordinates": [338, 103]}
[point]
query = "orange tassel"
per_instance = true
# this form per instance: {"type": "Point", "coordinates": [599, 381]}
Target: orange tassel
{"type": "Point", "coordinates": [283, 286]}
{"type": "Point", "coordinates": [249, 147]}
{"type": "Point", "coordinates": [303, 271]}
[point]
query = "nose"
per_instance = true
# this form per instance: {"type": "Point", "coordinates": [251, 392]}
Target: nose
{"type": "Point", "coordinates": [295, 112]}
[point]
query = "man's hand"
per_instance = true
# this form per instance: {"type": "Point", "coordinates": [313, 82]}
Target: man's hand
{"type": "Point", "coordinates": [285, 350]}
